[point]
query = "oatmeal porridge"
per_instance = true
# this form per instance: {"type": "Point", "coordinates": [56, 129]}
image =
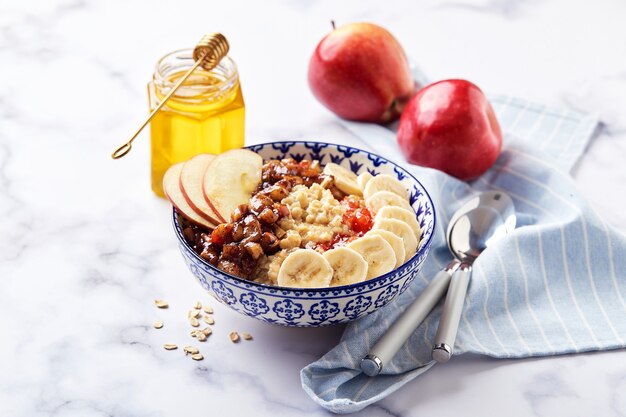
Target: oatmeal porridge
{"type": "Point", "coordinates": [308, 226]}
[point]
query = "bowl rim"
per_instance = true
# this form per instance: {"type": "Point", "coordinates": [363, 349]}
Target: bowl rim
{"type": "Point", "coordinates": [423, 249]}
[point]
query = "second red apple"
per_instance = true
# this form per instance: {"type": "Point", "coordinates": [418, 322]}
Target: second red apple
{"type": "Point", "coordinates": [451, 126]}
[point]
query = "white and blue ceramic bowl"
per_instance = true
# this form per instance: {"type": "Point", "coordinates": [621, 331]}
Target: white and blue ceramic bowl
{"type": "Point", "coordinates": [323, 306]}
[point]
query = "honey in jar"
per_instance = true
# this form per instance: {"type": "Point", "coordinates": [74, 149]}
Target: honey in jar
{"type": "Point", "coordinates": [205, 115]}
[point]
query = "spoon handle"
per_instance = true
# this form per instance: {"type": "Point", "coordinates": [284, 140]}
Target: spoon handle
{"type": "Point", "coordinates": [451, 315]}
{"type": "Point", "coordinates": [390, 342]}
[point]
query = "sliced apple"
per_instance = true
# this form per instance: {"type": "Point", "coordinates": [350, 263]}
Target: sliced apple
{"type": "Point", "coordinates": [191, 186]}
{"type": "Point", "coordinates": [230, 180]}
{"type": "Point", "coordinates": [174, 194]}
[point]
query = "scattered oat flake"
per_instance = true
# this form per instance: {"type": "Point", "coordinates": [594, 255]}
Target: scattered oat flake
{"type": "Point", "coordinates": [194, 321]}
{"type": "Point", "coordinates": [246, 336]}
{"type": "Point", "coordinates": [197, 357]}
{"type": "Point", "coordinates": [207, 331]}
{"type": "Point", "coordinates": [158, 324]}
{"type": "Point", "coordinates": [201, 337]}
{"type": "Point", "coordinates": [193, 333]}
{"type": "Point", "coordinates": [193, 313]}
{"type": "Point", "coordinates": [208, 320]}
{"type": "Point", "coordinates": [161, 304]}
{"type": "Point", "coordinates": [170, 346]}
{"type": "Point", "coordinates": [234, 337]}
{"type": "Point", "coordinates": [198, 305]}
{"type": "Point", "coordinates": [190, 349]}
{"type": "Point", "coordinates": [208, 309]}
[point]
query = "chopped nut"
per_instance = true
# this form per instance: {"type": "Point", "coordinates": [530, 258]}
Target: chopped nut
{"type": "Point", "coordinates": [170, 346]}
{"type": "Point", "coordinates": [197, 357]}
{"type": "Point", "coordinates": [208, 309]}
{"type": "Point", "coordinates": [158, 324]}
{"type": "Point", "coordinates": [194, 321]}
{"type": "Point", "coordinates": [246, 336]}
{"type": "Point", "coordinates": [190, 349]}
{"type": "Point", "coordinates": [234, 337]}
{"type": "Point", "coordinates": [201, 337]}
{"type": "Point", "coordinates": [193, 313]}
{"type": "Point", "coordinates": [161, 304]}
{"type": "Point", "coordinates": [198, 305]}
{"type": "Point", "coordinates": [208, 320]}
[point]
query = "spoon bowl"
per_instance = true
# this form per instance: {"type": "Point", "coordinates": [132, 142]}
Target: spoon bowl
{"type": "Point", "coordinates": [497, 200]}
{"type": "Point", "coordinates": [474, 231]}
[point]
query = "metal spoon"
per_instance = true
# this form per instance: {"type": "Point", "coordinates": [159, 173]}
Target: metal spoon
{"type": "Point", "coordinates": [389, 344]}
{"type": "Point", "coordinates": [490, 216]}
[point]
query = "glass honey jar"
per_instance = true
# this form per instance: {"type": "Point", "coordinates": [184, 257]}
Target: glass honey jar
{"type": "Point", "coordinates": [205, 115]}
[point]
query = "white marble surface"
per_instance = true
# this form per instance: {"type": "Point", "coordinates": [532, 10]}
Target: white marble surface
{"type": "Point", "coordinates": [85, 247]}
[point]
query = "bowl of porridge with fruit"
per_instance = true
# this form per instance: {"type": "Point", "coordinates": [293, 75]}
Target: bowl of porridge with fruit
{"type": "Point", "coordinates": [300, 233]}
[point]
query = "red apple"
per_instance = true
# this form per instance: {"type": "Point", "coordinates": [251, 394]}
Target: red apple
{"type": "Point", "coordinates": [360, 72]}
{"type": "Point", "coordinates": [450, 125]}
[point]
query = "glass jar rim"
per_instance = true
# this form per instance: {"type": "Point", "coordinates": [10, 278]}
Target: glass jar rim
{"type": "Point", "coordinates": [226, 67]}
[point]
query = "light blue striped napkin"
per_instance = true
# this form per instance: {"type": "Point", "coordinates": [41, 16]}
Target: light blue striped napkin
{"type": "Point", "coordinates": [551, 287]}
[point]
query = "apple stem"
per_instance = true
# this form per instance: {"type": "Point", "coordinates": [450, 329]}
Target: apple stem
{"type": "Point", "coordinates": [332, 23]}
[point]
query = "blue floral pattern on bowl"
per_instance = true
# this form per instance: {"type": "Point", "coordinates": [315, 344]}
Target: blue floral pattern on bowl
{"type": "Point", "coordinates": [288, 310]}
{"type": "Point", "coordinates": [253, 305]}
{"type": "Point", "coordinates": [324, 310]}
{"type": "Point", "coordinates": [357, 307]}
{"type": "Point", "coordinates": [319, 306]}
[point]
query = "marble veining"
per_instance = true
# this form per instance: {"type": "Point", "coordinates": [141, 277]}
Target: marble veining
{"type": "Point", "coordinates": [85, 247]}
{"type": "Point", "coordinates": [507, 9]}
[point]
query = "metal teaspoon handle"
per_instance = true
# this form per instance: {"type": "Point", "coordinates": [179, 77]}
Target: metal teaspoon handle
{"type": "Point", "coordinates": [451, 314]}
{"type": "Point", "coordinates": [388, 345]}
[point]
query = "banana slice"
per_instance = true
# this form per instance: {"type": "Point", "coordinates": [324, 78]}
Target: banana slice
{"type": "Point", "coordinates": [385, 182]}
{"type": "Point", "coordinates": [381, 199]}
{"type": "Point", "coordinates": [397, 244]}
{"type": "Point", "coordinates": [348, 265]}
{"type": "Point", "coordinates": [363, 178]}
{"type": "Point", "coordinates": [305, 268]}
{"type": "Point", "coordinates": [407, 216]}
{"type": "Point", "coordinates": [377, 252]}
{"type": "Point", "coordinates": [402, 230]}
{"type": "Point", "coordinates": [345, 179]}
